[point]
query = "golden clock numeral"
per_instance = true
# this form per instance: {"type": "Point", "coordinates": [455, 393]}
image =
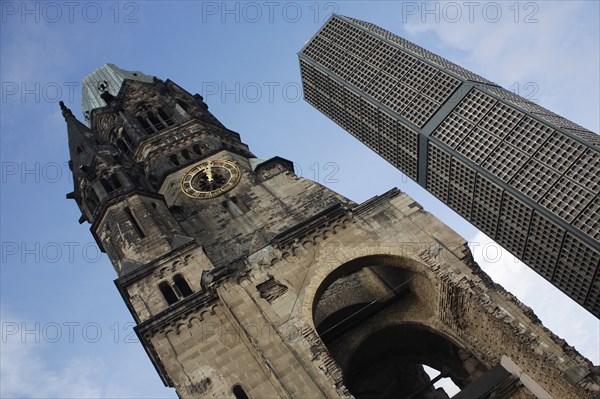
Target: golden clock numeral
{"type": "Point", "coordinates": [207, 172]}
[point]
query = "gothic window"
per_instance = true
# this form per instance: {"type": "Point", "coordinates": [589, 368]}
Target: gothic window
{"type": "Point", "coordinates": [145, 124]}
{"type": "Point", "coordinates": [157, 124]}
{"type": "Point", "coordinates": [239, 392]}
{"type": "Point", "coordinates": [153, 120]}
{"type": "Point", "coordinates": [110, 183]}
{"type": "Point", "coordinates": [168, 292]}
{"type": "Point", "coordinates": [184, 106]}
{"type": "Point", "coordinates": [182, 285]}
{"type": "Point", "coordinates": [91, 198]}
{"type": "Point", "coordinates": [164, 117]}
{"type": "Point", "coordinates": [186, 154]}
{"type": "Point", "coordinates": [136, 226]}
{"type": "Point", "coordinates": [179, 289]}
{"type": "Point", "coordinates": [197, 149]}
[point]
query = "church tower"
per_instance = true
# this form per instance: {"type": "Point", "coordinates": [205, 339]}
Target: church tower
{"type": "Point", "coordinates": [247, 281]}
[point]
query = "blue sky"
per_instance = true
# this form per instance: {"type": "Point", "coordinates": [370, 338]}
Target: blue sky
{"type": "Point", "coordinates": [65, 330]}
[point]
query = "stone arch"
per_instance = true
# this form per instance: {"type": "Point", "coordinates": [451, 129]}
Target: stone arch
{"type": "Point", "coordinates": [376, 313]}
{"type": "Point", "coordinates": [347, 261]}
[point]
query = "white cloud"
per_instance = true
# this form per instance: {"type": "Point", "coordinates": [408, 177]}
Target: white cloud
{"type": "Point", "coordinates": [26, 374]}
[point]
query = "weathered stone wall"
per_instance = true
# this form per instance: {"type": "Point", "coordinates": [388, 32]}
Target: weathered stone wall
{"type": "Point", "coordinates": [279, 348]}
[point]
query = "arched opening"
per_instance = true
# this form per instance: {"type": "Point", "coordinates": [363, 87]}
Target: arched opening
{"type": "Point", "coordinates": [182, 285]}
{"type": "Point", "coordinates": [154, 121]}
{"type": "Point", "coordinates": [145, 124]}
{"type": "Point", "coordinates": [239, 392]}
{"type": "Point", "coordinates": [391, 363]}
{"type": "Point", "coordinates": [372, 314]}
{"type": "Point", "coordinates": [168, 293]}
{"type": "Point", "coordinates": [174, 159]}
{"type": "Point", "coordinates": [164, 117]}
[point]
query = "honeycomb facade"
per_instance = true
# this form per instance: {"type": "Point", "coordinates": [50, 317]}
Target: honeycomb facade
{"type": "Point", "coordinates": [528, 178]}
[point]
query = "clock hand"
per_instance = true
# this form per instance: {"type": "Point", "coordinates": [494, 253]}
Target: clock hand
{"type": "Point", "coordinates": [208, 171]}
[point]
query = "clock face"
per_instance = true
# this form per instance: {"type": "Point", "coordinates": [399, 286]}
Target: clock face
{"type": "Point", "coordinates": [210, 179]}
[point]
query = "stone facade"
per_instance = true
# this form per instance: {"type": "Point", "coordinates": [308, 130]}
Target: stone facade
{"type": "Point", "coordinates": [281, 287]}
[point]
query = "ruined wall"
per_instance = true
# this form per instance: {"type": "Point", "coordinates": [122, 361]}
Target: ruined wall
{"type": "Point", "coordinates": [268, 305]}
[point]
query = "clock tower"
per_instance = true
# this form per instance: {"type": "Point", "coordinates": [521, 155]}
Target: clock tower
{"type": "Point", "coordinates": [247, 281]}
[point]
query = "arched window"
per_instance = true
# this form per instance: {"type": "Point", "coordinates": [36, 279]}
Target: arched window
{"type": "Point", "coordinates": [186, 154]}
{"type": "Point", "coordinates": [239, 392]}
{"type": "Point", "coordinates": [174, 159]}
{"type": "Point", "coordinates": [156, 123]}
{"type": "Point", "coordinates": [168, 292]}
{"type": "Point", "coordinates": [134, 222]}
{"type": "Point", "coordinates": [110, 183]}
{"type": "Point", "coordinates": [197, 149]}
{"type": "Point", "coordinates": [168, 121]}
{"type": "Point", "coordinates": [182, 285]}
{"type": "Point", "coordinates": [184, 106]}
{"type": "Point", "coordinates": [91, 198]}
{"type": "Point", "coordinates": [145, 124]}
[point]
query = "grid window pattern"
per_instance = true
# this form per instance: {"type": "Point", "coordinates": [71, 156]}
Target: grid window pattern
{"type": "Point", "coordinates": [589, 220]}
{"type": "Point", "coordinates": [399, 65]}
{"type": "Point", "coordinates": [442, 62]}
{"type": "Point", "coordinates": [363, 75]}
{"type": "Point", "coordinates": [475, 105]}
{"type": "Point", "coordinates": [576, 266]}
{"type": "Point", "coordinates": [420, 110]}
{"type": "Point", "coordinates": [388, 137]}
{"type": "Point", "coordinates": [462, 188]}
{"type": "Point", "coordinates": [505, 161]}
{"type": "Point", "coordinates": [567, 199]}
{"type": "Point", "coordinates": [534, 180]}
{"type": "Point", "coordinates": [500, 120]}
{"type": "Point", "coordinates": [419, 75]}
{"type": "Point", "coordinates": [399, 97]}
{"type": "Point", "coordinates": [529, 135]}
{"type": "Point", "coordinates": [543, 245]}
{"type": "Point", "coordinates": [317, 48]}
{"type": "Point", "coordinates": [513, 224]}
{"type": "Point", "coordinates": [381, 55]}
{"type": "Point", "coordinates": [453, 130]}
{"type": "Point", "coordinates": [408, 147]}
{"type": "Point", "coordinates": [345, 65]}
{"type": "Point", "coordinates": [438, 172]}
{"type": "Point", "coordinates": [381, 86]}
{"type": "Point", "coordinates": [486, 205]}
{"type": "Point", "coordinates": [478, 145]}
{"type": "Point", "coordinates": [593, 301]}
{"type": "Point", "coordinates": [560, 152]}
{"type": "Point", "coordinates": [361, 58]}
{"type": "Point", "coordinates": [586, 170]}
{"type": "Point", "coordinates": [546, 114]}
{"type": "Point", "coordinates": [440, 87]}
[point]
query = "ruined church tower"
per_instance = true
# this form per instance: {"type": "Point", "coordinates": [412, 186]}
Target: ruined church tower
{"type": "Point", "coordinates": [247, 281]}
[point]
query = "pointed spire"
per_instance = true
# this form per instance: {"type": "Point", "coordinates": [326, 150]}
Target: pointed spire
{"type": "Point", "coordinates": [81, 143]}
